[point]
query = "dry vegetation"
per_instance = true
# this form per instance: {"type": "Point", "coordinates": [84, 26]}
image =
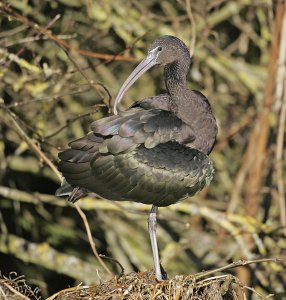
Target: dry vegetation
{"type": "Point", "coordinates": [61, 64]}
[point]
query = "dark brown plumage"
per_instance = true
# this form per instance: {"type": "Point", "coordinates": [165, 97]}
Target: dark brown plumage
{"type": "Point", "coordinates": [155, 152]}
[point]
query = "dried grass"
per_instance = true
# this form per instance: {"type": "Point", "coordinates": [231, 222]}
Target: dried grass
{"type": "Point", "coordinates": [145, 286]}
{"type": "Point", "coordinates": [14, 287]}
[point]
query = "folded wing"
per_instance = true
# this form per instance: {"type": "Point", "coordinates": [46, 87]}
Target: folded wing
{"type": "Point", "coordinates": [139, 155]}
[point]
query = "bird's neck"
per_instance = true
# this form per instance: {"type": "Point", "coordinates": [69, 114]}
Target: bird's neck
{"type": "Point", "coordinates": [176, 84]}
{"type": "Point", "coordinates": [183, 102]}
{"type": "Point", "coordinates": [175, 76]}
{"type": "Point", "coordinates": [191, 107]}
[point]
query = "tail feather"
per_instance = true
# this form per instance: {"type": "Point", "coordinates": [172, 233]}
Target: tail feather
{"type": "Point", "coordinates": [77, 193]}
{"type": "Point", "coordinates": [73, 193]}
{"type": "Point", "coordinates": [64, 190]}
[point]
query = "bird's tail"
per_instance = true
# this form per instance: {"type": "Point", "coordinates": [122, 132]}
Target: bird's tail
{"type": "Point", "coordinates": [73, 193]}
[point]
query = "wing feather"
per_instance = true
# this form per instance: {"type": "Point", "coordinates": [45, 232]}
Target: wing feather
{"type": "Point", "coordinates": [139, 155]}
{"type": "Point", "coordinates": [137, 126]}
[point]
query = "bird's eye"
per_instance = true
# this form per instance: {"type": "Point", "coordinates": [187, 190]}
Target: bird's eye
{"type": "Point", "coordinates": [159, 48]}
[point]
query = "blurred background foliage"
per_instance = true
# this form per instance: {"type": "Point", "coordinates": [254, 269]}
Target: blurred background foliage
{"type": "Point", "coordinates": [46, 98]}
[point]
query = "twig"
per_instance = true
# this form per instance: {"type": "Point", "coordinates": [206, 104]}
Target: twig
{"type": "Point", "coordinates": [222, 220]}
{"type": "Point", "coordinates": [259, 136]}
{"type": "Point", "coordinates": [46, 256]}
{"type": "Point", "coordinates": [36, 38]}
{"type": "Point", "coordinates": [255, 292]}
{"type": "Point", "coordinates": [54, 296]}
{"type": "Point", "coordinates": [93, 84]}
{"type": "Point", "coordinates": [46, 98]}
{"type": "Point", "coordinates": [249, 31]}
{"type": "Point", "coordinates": [193, 26]}
{"type": "Point", "coordinates": [59, 41]}
{"type": "Point", "coordinates": [12, 31]}
{"type": "Point", "coordinates": [69, 121]}
{"type": "Point", "coordinates": [115, 261]}
{"type": "Point", "coordinates": [30, 143]}
{"type": "Point", "coordinates": [214, 4]}
{"type": "Point", "coordinates": [233, 131]}
{"type": "Point", "coordinates": [15, 292]}
{"type": "Point", "coordinates": [279, 163]}
{"type": "Point", "coordinates": [281, 101]}
{"type": "Point", "coordinates": [91, 242]}
{"type": "Point", "coordinates": [239, 263]}
{"type": "Point", "coordinates": [42, 156]}
{"type": "Point", "coordinates": [34, 198]}
{"type": "Point", "coordinates": [50, 23]}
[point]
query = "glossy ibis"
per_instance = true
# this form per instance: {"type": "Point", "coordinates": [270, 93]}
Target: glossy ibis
{"type": "Point", "coordinates": [155, 152]}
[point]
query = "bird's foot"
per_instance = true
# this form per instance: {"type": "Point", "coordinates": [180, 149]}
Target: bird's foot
{"type": "Point", "coordinates": [163, 273]}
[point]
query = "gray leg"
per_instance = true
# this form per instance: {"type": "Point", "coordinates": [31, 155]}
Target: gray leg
{"type": "Point", "coordinates": [152, 224]}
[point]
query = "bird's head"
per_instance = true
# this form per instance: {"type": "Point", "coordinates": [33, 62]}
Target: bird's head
{"type": "Point", "coordinates": [167, 49]}
{"type": "Point", "coordinates": [163, 51]}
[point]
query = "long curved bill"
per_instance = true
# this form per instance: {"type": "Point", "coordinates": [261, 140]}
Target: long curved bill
{"type": "Point", "coordinates": [145, 65]}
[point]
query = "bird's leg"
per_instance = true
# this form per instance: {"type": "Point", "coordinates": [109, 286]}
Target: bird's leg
{"type": "Point", "coordinates": [152, 225]}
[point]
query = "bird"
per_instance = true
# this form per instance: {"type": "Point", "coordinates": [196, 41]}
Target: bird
{"type": "Point", "coordinates": [154, 152]}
